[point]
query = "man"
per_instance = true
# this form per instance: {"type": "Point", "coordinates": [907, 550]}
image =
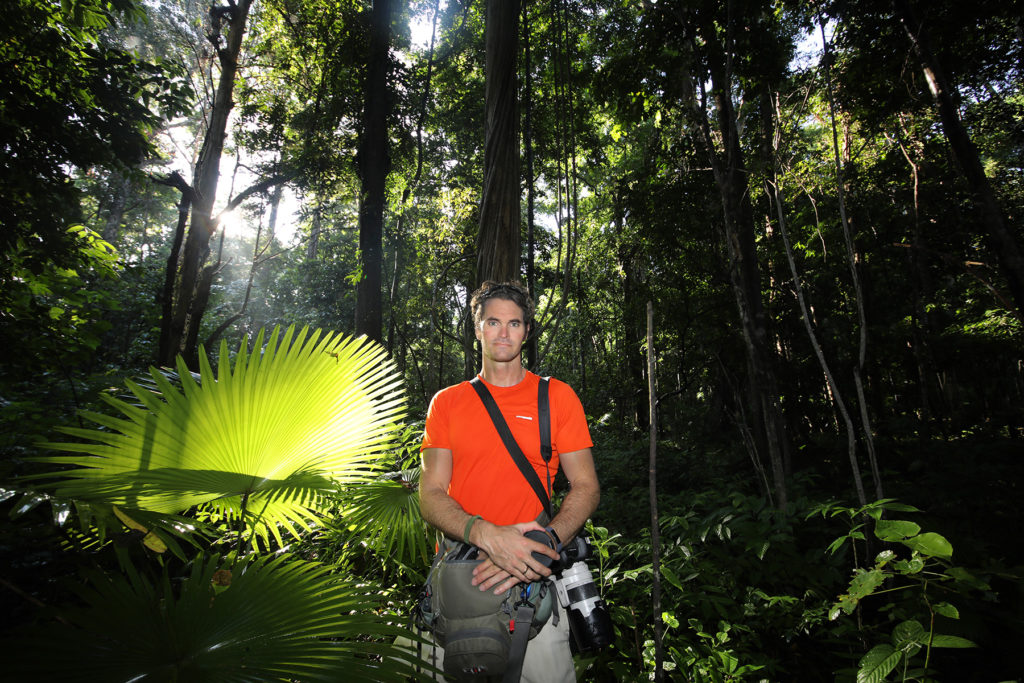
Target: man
{"type": "Point", "coordinates": [471, 488]}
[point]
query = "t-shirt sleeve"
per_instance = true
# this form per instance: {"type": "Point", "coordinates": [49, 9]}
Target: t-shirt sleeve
{"type": "Point", "coordinates": [435, 430]}
{"type": "Point", "coordinates": [569, 426]}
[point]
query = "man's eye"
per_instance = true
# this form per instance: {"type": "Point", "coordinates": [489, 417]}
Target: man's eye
{"type": "Point", "coordinates": [514, 323]}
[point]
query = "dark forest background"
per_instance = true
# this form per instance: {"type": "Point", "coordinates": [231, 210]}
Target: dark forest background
{"type": "Point", "coordinates": [775, 248]}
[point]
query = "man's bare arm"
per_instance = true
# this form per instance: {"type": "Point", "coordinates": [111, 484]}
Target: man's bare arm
{"type": "Point", "coordinates": [581, 501]}
{"type": "Point", "coordinates": [436, 506]}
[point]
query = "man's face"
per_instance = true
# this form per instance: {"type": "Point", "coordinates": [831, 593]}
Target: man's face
{"type": "Point", "coordinates": [502, 330]}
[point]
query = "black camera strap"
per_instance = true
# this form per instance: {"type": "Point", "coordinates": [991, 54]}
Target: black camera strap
{"type": "Point", "coordinates": [544, 423]}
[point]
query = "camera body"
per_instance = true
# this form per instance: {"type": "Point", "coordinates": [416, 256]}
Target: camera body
{"type": "Point", "coordinates": [590, 624]}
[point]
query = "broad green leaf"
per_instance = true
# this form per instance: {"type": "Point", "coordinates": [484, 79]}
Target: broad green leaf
{"type": "Point", "coordinates": [895, 529]}
{"type": "Point", "coordinates": [911, 566]}
{"type": "Point", "coordinates": [900, 507]}
{"type": "Point", "coordinates": [908, 636]}
{"type": "Point", "coordinates": [963, 576]}
{"type": "Point", "coordinates": [385, 514]}
{"type": "Point", "coordinates": [951, 641]}
{"type": "Point", "coordinates": [947, 610]}
{"type": "Point", "coordinates": [931, 544]}
{"type": "Point", "coordinates": [836, 545]}
{"type": "Point", "coordinates": [877, 663]}
{"type": "Point", "coordinates": [149, 539]}
{"type": "Point", "coordinates": [271, 435]}
{"type": "Point", "coordinates": [671, 577]}
{"type": "Point", "coordinates": [729, 662]}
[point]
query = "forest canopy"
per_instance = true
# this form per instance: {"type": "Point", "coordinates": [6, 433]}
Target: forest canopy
{"type": "Point", "coordinates": [775, 247]}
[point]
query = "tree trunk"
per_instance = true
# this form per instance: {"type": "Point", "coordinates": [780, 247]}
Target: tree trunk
{"type": "Point", "coordinates": [374, 163]}
{"type": "Point", "coordinates": [313, 245]}
{"type": "Point", "coordinates": [498, 240]}
{"type": "Point", "coordinates": [531, 281]}
{"type": "Point", "coordinates": [652, 483]}
{"type": "Point", "coordinates": [119, 186]}
{"type": "Point", "coordinates": [731, 178]}
{"type": "Point", "coordinates": [633, 398]}
{"type": "Point", "coordinates": [179, 328]}
{"type": "Point", "coordinates": [1001, 237]}
{"type": "Point", "coordinates": [862, 320]}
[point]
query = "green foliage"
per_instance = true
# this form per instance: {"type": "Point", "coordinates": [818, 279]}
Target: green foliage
{"type": "Point", "coordinates": [912, 583]}
{"type": "Point", "coordinates": [51, 313]}
{"type": "Point", "coordinates": [627, 210]}
{"type": "Point", "coordinates": [384, 515]}
{"type": "Point", "coordinates": [274, 618]}
{"type": "Point", "coordinates": [263, 441]}
{"type": "Point", "coordinates": [72, 103]}
{"type": "Point", "coordinates": [270, 445]}
{"type": "Point", "coordinates": [739, 593]}
{"type": "Point", "coordinates": [748, 593]}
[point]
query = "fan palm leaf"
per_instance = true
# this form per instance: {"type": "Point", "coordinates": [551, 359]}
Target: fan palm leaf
{"type": "Point", "coordinates": [272, 435]}
{"type": "Point", "coordinates": [386, 516]}
{"type": "Point", "coordinates": [276, 619]}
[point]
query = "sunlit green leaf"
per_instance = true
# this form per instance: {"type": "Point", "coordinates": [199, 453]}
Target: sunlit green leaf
{"type": "Point", "coordinates": [930, 544]}
{"type": "Point", "coordinates": [273, 434]}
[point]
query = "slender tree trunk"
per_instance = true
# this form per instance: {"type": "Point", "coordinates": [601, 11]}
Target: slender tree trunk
{"type": "Point", "coordinates": [275, 208]}
{"type": "Point", "coordinates": [531, 283]}
{"type": "Point", "coordinates": [1001, 237]}
{"type": "Point", "coordinates": [652, 396]}
{"type": "Point", "coordinates": [922, 289]}
{"type": "Point", "coordinates": [731, 177]}
{"type": "Point", "coordinates": [119, 187]}
{"type": "Point", "coordinates": [851, 259]}
{"type": "Point", "coordinates": [837, 398]}
{"type": "Point", "coordinates": [257, 260]}
{"type": "Point", "coordinates": [180, 327]}
{"type": "Point", "coordinates": [498, 241]}
{"type": "Point", "coordinates": [313, 245]}
{"type": "Point", "coordinates": [408, 191]}
{"type": "Point", "coordinates": [374, 163]}
{"type": "Point", "coordinates": [639, 415]}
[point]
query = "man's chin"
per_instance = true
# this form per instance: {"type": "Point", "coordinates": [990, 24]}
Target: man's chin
{"type": "Point", "coordinates": [507, 356]}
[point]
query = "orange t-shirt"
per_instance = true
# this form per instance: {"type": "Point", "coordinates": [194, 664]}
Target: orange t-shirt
{"type": "Point", "coordinates": [485, 479]}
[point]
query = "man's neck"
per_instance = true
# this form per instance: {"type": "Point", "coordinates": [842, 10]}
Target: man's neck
{"type": "Point", "coordinates": [503, 374]}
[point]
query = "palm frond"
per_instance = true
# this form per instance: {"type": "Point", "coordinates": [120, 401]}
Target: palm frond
{"type": "Point", "coordinates": [385, 514]}
{"type": "Point", "coordinates": [277, 619]}
{"type": "Point", "coordinates": [278, 429]}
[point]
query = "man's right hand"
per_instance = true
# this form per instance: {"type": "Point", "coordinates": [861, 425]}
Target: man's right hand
{"type": "Point", "coordinates": [509, 555]}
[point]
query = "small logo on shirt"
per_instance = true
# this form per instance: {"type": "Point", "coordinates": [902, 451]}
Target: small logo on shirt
{"type": "Point", "coordinates": [524, 417]}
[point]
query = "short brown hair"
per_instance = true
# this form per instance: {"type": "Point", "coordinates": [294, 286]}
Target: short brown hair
{"type": "Point", "coordinates": [510, 291]}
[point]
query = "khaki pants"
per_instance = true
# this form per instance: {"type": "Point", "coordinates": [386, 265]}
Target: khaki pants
{"type": "Point", "coordinates": [548, 658]}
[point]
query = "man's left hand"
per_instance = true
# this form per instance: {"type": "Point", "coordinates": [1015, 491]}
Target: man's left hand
{"type": "Point", "coordinates": [521, 566]}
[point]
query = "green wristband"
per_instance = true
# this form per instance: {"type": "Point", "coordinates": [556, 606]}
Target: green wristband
{"type": "Point", "coordinates": [469, 525]}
